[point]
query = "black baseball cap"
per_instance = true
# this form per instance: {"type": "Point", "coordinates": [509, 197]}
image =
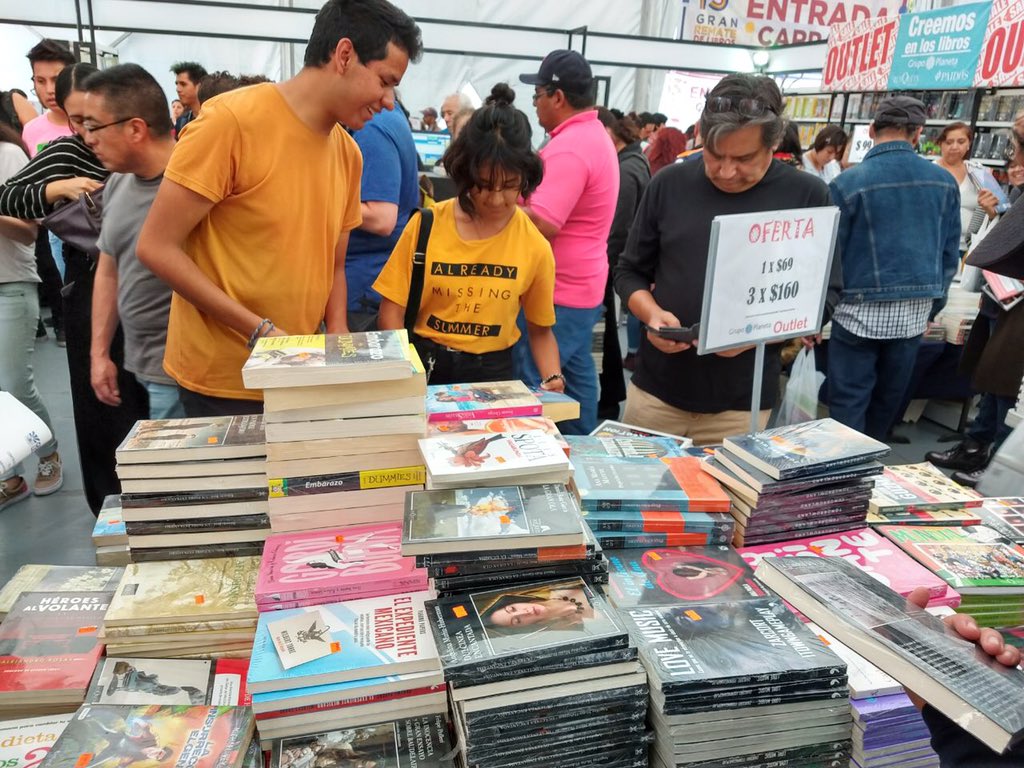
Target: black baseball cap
{"type": "Point", "coordinates": [901, 110]}
{"type": "Point", "coordinates": [566, 70]}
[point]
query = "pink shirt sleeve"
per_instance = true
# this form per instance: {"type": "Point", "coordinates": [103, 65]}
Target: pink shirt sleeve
{"type": "Point", "coordinates": [565, 177]}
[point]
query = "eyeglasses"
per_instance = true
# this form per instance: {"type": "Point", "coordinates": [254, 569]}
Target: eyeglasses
{"type": "Point", "coordinates": [541, 92]}
{"type": "Point", "coordinates": [746, 107]}
{"type": "Point", "coordinates": [95, 128]}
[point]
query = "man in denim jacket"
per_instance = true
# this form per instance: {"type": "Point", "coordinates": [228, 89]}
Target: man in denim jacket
{"type": "Point", "coordinates": [899, 236]}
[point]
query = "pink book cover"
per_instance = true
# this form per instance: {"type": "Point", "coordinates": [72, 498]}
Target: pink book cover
{"type": "Point", "coordinates": [471, 402]}
{"type": "Point", "coordinates": [344, 563]}
{"type": "Point", "coordinates": [866, 549]}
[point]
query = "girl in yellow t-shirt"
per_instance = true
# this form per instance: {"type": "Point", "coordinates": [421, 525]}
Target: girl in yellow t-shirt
{"type": "Point", "coordinates": [484, 259]}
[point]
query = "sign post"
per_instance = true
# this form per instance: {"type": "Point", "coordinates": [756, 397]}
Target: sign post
{"type": "Point", "coordinates": [766, 281]}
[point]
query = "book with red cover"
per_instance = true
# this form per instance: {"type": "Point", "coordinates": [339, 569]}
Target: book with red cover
{"type": "Point", "coordinates": [49, 646]}
{"type": "Point", "coordinates": [336, 564]}
{"type": "Point", "coordinates": [865, 548]}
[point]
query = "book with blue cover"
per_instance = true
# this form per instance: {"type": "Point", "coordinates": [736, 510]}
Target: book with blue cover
{"type": "Point", "coordinates": [290, 698]}
{"type": "Point", "coordinates": [805, 449]}
{"type": "Point", "coordinates": [624, 446]}
{"type": "Point", "coordinates": [364, 638]}
{"type": "Point", "coordinates": [678, 483]}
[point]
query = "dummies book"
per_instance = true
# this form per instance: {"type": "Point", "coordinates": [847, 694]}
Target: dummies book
{"type": "Point", "coordinates": [639, 481]}
{"type": "Point", "coordinates": [674, 576]}
{"type": "Point", "coordinates": [803, 449]}
{"type": "Point", "coordinates": [198, 439]}
{"type": "Point", "coordinates": [1006, 516]}
{"type": "Point", "coordinates": [139, 681]}
{"type": "Point", "coordinates": [954, 675]}
{"type": "Point", "coordinates": [492, 400]}
{"type": "Point", "coordinates": [919, 486]}
{"type": "Point", "coordinates": [24, 743]}
{"type": "Point", "coordinates": [474, 519]}
{"type": "Point", "coordinates": [419, 742]}
{"type": "Point", "coordinates": [973, 560]}
{"type": "Point", "coordinates": [551, 619]}
{"type": "Point", "coordinates": [185, 590]}
{"type": "Point", "coordinates": [689, 648]}
{"type": "Point", "coordinates": [57, 578]}
{"type": "Point", "coordinates": [305, 361]}
{"type": "Point", "coordinates": [337, 564]}
{"type": "Point", "coordinates": [140, 736]}
{"type": "Point", "coordinates": [363, 639]}
{"type": "Point", "coordinates": [314, 485]}
{"type": "Point", "coordinates": [49, 646]}
{"type": "Point", "coordinates": [463, 458]}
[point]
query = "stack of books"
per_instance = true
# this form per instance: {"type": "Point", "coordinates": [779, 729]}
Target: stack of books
{"type": "Point", "coordinates": [456, 460]}
{"type": "Point", "coordinates": [413, 742]}
{"type": "Point", "coordinates": [740, 683]}
{"type": "Point", "coordinates": [904, 491]}
{"type": "Point", "coordinates": [188, 682]}
{"type": "Point", "coordinates": [810, 479]}
{"type": "Point", "coordinates": [957, 316]}
{"type": "Point", "coordinates": [889, 731]}
{"type": "Point", "coordinates": [679, 576]}
{"type": "Point", "coordinates": [171, 736]}
{"type": "Point", "coordinates": [194, 488]}
{"type": "Point", "coordinates": [343, 416]}
{"type": "Point", "coordinates": [541, 674]}
{"type": "Point", "coordinates": [985, 568]}
{"type": "Point", "coordinates": [49, 647]}
{"type": "Point", "coordinates": [869, 551]}
{"type": "Point", "coordinates": [344, 664]}
{"type": "Point", "coordinates": [188, 609]}
{"type": "Point", "coordinates": [475, 538]}
{"type": "Point", "coordinates": [59, 579]}
{"type": "Point", "coordinates": [647, 492]}
{"type": "Point", "coordinates": [334, 564]}
{"type": "Point", "coordinates": [1005, 516]}
{"type": "Point", "coordinates": [24, 742]}
{"type": "Point", "coordinates": [109, 535]}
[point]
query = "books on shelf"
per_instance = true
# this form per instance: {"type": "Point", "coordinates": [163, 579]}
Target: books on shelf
{"type": "Point", "coordinates": [965, 684]}
{"type": "Point", "coordinates": [182, 682]}
{"type": "Point", "coordinates": [335, 564]}
{"type": "Point", "coordinates": [491, 400]}
{"type": "Point", "coordinates": [909, 487]}
{"type": "Point", "coordinates": [57, 578]}
{"type": "Point", "coordinates": [303, 361]}
{"type": "Point", "coordinates": [498, 459]}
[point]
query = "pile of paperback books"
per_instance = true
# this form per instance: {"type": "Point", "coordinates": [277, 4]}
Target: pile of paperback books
{"type": "Point", "coordinates": [809, 479]}
{"type": "Point", "coordinates": [109, 535]}
{"type": "Point", "coordinates": [194, 488]}
{"type": "Point", "coordinates": [541, 674]}
{"type": "Point", "coordinates": [740, 683]}
{"type": "Point", "coordinates": [903, 492]}
{"type": "Point", "coordinates": [343, 416]}
{"type": "Point", "coordinates": [475, 538]}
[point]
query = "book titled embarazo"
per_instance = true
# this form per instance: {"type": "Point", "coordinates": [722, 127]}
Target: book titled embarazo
{"type": "Point", "coordinates": [285, 487]}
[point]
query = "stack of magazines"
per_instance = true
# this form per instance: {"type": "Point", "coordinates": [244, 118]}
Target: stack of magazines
{"type": "Point", "coordinates": [343, 414]}
{"type": "Point", "coordinates": [475, 538]}
{"type": "Point", "coordinates": [809, 479]}
{"type": "Point", "coordinates": [903, 492]}
{"type": "Point", "coordinates": [194, 488]}
{"type": "Point", "coordinates": [541, 674]}
{"type": "Point", "coordinates": [740, 683]}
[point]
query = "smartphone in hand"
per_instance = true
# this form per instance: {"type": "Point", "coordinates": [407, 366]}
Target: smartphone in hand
{"type": "Point", "coordinates": [687, 335]}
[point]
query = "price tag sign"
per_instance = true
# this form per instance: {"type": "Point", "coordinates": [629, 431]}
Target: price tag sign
{"type": "Point", "coordinates": [861, 143]}
{"type": "Point", "coordinates": [767, 275]}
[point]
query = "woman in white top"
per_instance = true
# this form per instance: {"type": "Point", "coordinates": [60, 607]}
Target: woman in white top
{"type": "Point", "coordinates": [955, 145]}
{"type": "Point", "coordinates": [821, 158]}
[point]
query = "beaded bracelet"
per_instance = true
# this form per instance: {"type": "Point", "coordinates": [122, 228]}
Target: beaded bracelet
{"type": "Point", "coordinates": [258, 333]}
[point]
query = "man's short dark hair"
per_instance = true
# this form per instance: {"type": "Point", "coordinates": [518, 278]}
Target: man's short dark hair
{"type": "Point", "coordinates": [659, 118]}
{"type": "Point", "coordinates": [130, 91]}
{"type": "Point", "coordinates": [902, 129]}
{"type": "Point", "coordinates": [50, 50]}
{"type": "Point", "coordinates": [215, 84]}
{"type": "Point", "coordinates": [369, 24]}
{"type": "Point", "coordinates": [645, 118]}
{"type": "Point", "coordinates": [732, 104]}
{"type": "Point", "coordinates": [194, 70]}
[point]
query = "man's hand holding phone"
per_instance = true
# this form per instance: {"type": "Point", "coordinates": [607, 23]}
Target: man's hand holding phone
{"type": "Point", "coordinates": [666, 333]}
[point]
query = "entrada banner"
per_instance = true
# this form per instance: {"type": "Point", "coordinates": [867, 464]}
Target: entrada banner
{"type": "Point", "coordinates": [978, 45]}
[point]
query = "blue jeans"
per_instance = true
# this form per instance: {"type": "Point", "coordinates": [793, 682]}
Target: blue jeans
{"type": "Point", "coordinates": [867, 380]}
{"type": "Point", "coordinates": [57, 251]}
{"type": "Point", "coordinates": [989, 426]}
{"type": "Point", "coordinates": [19, 315]}
{"type": "Point", "coordinates": [164, 402]}
{"type": "Point", "coordinates": [574, 332]}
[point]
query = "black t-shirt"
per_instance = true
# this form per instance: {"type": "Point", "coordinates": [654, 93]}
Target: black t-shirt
{"type": "Point", "coordinates": [668, 246]}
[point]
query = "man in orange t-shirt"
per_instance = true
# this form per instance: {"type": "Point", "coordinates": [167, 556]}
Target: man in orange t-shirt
{"type": "Point", "coordinates": [251, 223]}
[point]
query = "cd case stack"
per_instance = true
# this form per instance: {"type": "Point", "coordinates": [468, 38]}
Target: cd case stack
{"type": "Point", "coordinates": [638, 491]}
{"type": "Point", "coordinates": [541, 674]}
{"type": "Point", "coordinates": [343, 416]}
{"type": "Point", "coordinates": [478, 538]}
{"type": "Point", "coordinates": [194, 488]}
{"type": "Point", "coordinates": [740, 684]}
{"type": "Point", "coordinates": [810, 479]}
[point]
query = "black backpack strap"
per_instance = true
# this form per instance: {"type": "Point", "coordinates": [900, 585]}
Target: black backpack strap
{"type": "Point", "coordinates": [419, 267]}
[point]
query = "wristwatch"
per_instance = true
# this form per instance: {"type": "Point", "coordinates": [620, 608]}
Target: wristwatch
{"type": "Point", "coordinates": [552, 377]}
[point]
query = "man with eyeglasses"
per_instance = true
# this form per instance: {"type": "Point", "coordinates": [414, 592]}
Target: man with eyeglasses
{"type": "Point", "coordinates": [660, 275]}
{"type": "Point", "coordinates": [899, 236]}
{"type": "Point", "coordinates": [48, 58]}
{"type": "Point", "coordinates": [573, 208]}
{"type": "Point", "coordinates": [128, 125]}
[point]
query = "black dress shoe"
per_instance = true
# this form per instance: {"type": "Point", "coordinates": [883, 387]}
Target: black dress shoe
{"type": "Point", "coordinates": [970, 479]}
{"type": "Point", "coordinates": [965, 456]}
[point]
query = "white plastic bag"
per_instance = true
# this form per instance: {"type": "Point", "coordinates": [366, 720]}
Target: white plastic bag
{"type": "Point", "coordinates": [801, 401]}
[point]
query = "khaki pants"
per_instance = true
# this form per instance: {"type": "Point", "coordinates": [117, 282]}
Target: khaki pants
{"type": "Point", "coordinates": [648, 412]}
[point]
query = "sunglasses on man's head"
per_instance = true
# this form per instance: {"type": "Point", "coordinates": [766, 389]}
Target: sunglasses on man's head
{"type": "Point", "coordinates": [746, 107]}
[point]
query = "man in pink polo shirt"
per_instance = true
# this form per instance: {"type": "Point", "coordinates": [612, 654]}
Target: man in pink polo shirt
{"type": "Point", "coordinates": [573, 208]}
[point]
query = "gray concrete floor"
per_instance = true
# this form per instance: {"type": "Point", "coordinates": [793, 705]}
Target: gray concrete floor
{"type": "Point", "coordinates": [57, 529]}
